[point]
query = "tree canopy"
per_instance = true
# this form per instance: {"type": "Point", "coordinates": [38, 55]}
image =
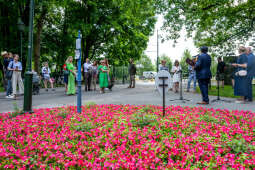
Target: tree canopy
{"type": "Point", "coordinates": [219, 24]}
{"type": "Point", "coordinates": [116, 29]}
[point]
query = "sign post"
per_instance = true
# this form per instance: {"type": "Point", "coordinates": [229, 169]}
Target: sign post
{"type": "Point", "coordinates": [78, 57]}
{"type": "Point", "coordinates": [163, 83]}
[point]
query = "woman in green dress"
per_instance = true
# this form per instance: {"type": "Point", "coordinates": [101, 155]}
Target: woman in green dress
{"type": "Point", "coordinates": [71, 77]}
{"type": "Point", "coordinates": [103, 76]}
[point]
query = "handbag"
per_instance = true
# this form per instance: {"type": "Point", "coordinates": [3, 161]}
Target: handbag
{"type": "Point", "coordinates": [9, 73]}
{"type": "Point", "coordinates": [241, 73]}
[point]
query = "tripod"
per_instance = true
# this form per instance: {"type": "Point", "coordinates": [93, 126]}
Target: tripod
{"type": "Point", "coordinates": [181, 96]}
{"type": "Point", "coordinates": [218, 91]}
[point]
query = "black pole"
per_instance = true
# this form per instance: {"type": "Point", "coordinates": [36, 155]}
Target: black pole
{"type": "Point", "coordinates": [164, 98]}
{"type": "Point", "coordinates": [181, 97]}
{"type": "Point", "coordinates": [218, 87]}
{"type": "Point", "coordinates": [27, 105]}
{"type": "Point", "coordinates": [218, 91]}
{"type": "Point", "coordinates": [157, 51]}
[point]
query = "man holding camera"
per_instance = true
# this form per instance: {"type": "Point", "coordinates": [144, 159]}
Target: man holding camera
{"type": "Point", "coordinates": [203, 73]}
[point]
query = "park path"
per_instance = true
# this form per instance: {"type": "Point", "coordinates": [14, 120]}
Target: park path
{"type": "Point", "coordinates": [143, 94]}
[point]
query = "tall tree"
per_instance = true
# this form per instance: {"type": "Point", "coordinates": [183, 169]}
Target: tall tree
{"type": "Point", "coordinates": [119, 29]}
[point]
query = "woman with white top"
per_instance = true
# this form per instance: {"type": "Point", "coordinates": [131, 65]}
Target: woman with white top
{"type": "Point", "coordinates": [16, 67]}
{"type": "Point", "coordinates": [176, 77]}
{"type": "Point", "coordinates": [46, 76]}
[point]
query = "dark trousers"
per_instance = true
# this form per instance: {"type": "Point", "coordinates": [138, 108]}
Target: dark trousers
{"type": "Point", "coordinates": [87, 78]}
{"type": "Point", "coordinates": [203, 85]}
{"type": "Point", "coordinates": [9, 87]}
{"type": "Point", "coordinates": [249, 89]}
{"type": "Point", "coordinates": [132, 81]}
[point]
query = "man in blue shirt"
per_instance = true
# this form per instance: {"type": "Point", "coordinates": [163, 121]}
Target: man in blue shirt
{"type": "Point", "coordinates": [250, 72]}
{"type": "Point", "coordinates": [192, 76]}
{"type": "Point", "coordinates": [203, 73]}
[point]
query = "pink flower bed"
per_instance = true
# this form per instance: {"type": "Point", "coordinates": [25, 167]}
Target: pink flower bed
{"type": "Point", "coordinates": [128, 137]}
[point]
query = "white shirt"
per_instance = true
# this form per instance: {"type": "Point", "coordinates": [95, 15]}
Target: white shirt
{"type": "Point", "coordinates": [176, 76]}
{"type": "Point", "coordinates": [46, 72]}
{"type": "Point", "coordinates": [13, 65]}
{"type": "Point", "coordinates": [86, 67]}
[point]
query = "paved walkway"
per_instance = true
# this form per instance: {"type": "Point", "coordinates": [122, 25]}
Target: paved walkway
{"type": "Point", "coordinates": [143, 94]}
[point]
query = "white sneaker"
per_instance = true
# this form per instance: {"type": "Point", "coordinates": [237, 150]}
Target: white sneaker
{"type": "Point", "coordinates": [239, 101]}
{"type": "Point", "coordinates": [11, 96]}
{"type": "Point", "coordinates": [7, 97]}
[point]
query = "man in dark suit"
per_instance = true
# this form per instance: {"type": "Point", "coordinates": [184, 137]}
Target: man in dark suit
{"type": "Point", "coordinates": [250, 72]}
{"type": "Point", "coordinates": [203, 73]}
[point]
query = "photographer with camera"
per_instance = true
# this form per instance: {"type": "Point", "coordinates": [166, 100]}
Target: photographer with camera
{"type": "Point", "coordinates": [203, 73]}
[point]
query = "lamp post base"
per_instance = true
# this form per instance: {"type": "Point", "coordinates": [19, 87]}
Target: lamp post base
{"type": "Point", "coordinates": [27, 106]}
{"type": "Point", "coordinates": [79, 97]}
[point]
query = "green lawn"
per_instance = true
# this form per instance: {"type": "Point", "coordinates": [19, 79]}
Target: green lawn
{"type": "Point", "coordinates": [227, 91]}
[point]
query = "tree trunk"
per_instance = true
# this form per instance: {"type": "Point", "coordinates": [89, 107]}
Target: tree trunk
{"type": "Point", "coordinates": [37, 49]}
{"type": "Point", "coordinates": [37, 45]}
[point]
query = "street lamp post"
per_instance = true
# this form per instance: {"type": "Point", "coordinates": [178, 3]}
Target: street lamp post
{"type": "Point", "coordinates": [27, 106]}
{"type": "Point", "coordinates": [21, 27]}
{"type": "Point", "coordinates": [157, 51]}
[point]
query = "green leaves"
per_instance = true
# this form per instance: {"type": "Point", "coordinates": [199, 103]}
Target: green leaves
{"type": "Point", "coordinates": [216, 23]}
{"type": "Point", "coordinates": [116, 29]}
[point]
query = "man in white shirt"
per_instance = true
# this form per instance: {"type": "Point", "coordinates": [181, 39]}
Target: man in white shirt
{"type": "Point", "coordinates": [87, 68]}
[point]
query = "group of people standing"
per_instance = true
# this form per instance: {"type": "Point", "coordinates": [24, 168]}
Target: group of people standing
{"type": "Point", "coordinates": [200, 70]}
{"type": "Point", "coordinates": [176, 70]}
{"type": "Point", "coordinates": [91, 73]}
{"type": "Point", "coordinates": [12, 69]}
{"type": "Point", "coordinates": [244, 74]}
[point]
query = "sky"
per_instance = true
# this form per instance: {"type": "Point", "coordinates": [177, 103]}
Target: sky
{"type": "Point", "coordinates": [167, 47]}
